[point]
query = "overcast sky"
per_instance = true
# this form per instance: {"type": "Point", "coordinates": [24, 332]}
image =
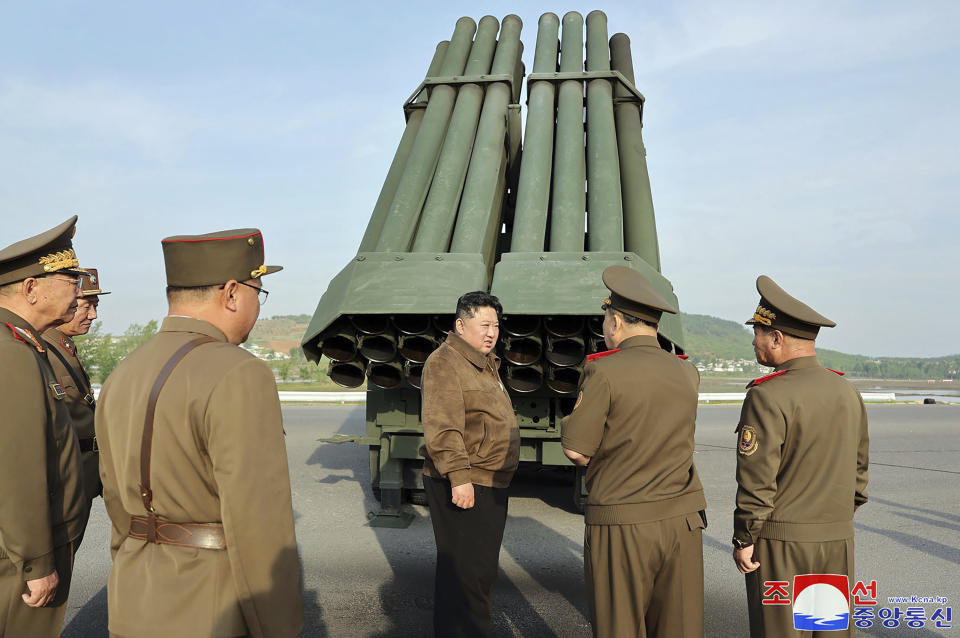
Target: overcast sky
{"type": "Point", "coordinates": [816, 142]}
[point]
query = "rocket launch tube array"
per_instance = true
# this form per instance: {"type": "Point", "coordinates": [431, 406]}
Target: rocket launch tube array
{"type": "Point", "coordinates": [458, 201]}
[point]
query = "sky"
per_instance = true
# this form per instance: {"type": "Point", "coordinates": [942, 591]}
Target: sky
{"type": "Point", "coordinates": [814, 142]}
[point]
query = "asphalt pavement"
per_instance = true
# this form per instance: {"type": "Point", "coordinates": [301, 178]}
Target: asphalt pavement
{"type": "Point", "coordinates": [363, 581]}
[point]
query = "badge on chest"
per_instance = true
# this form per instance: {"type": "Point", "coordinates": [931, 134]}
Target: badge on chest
{"type": "Point", "coordinates": [58, 391]}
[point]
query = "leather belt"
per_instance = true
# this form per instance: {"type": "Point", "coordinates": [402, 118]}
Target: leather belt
{"type": "Point", "coordinates": [152, 528]}
{"type": "Point", "coordinates": [199, 535]}
{"type": "Point", "coordinates": [89, 445]}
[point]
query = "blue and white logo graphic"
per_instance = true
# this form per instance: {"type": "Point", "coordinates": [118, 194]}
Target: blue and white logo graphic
{"type": "Point", "coordinates": [821, 602]}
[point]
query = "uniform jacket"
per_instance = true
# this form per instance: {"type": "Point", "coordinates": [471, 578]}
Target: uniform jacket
{"type": "Point", "coordinates": [469, 426]}
{"type": "Point", "coordinates": [802, 456]}
{"type": "Point", "coordinates": [81, 412]}
{"type": "Point", "coordinates": [42, 502]}
{"type": "Point", "coordinates": [635, 417]}
{"type": "Point", "coordinates": [218, 456]}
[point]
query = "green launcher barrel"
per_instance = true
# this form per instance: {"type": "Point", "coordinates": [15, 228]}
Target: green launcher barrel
{"type": "Point", "coordinates": [436, 227]}
{"type": "Point", "coordinates": [593, 210]}
{"type": "Point", "coordinates": [462, 208]}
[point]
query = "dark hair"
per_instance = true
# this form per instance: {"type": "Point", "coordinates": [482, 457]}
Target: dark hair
{"type": "Point", "coordinates": [468, 304]}
{"type": "Point", "coordinates": [786, 335]}
{"type": "Point", "coordinates": [630, 320]}
{"type": "Point", "coordinates": [187, 294]}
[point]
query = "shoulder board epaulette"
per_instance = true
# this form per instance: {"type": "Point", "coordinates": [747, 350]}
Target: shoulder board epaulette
{"type": "Point", "coordinates": [601, 355]}
{"type": "Point", "coordinates": [683, 356]}
{"type": "Point", "coordinates": [757, 382]}
{"type": "Point", "coordinates": [837, 371]}
{"type": "Point", "coordinates": [25, 336]}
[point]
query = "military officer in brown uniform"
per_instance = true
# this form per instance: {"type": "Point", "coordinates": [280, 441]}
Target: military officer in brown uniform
{"type": "Point", "coordinates": [802, 456]}
{"type": "Point", "coordinates": [43, 509]}
{"type": "Point", "coordinates": [633, 427]}
{"type": "Point", "coordinates": [194, 464]}
{"type": "Point", "coordinates": [471, 451]}
{"type": "Point", "coordinates": [73, 378]}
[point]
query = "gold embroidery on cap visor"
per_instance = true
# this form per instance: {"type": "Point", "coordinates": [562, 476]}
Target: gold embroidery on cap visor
{"type": "Point", "coordinates": [748, 442]}
{"type": "Point", "coordinates": [764, 316]}
{"type": "Point", "coordinates": [262, 270]}
{"type": "Point", "coordinates": [59, 260]}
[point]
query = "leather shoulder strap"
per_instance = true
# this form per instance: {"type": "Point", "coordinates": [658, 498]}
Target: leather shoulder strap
{"type": "Point", "coordinates": [81, 385]}
{"type": "Point", "coordinates": [146, 442]}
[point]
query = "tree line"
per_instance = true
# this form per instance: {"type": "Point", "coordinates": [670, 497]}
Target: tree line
{"type": "Point", "coordinates": [101, 352]}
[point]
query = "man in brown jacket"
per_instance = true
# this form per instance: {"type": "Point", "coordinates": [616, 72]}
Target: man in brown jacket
{"type": "Point", "coordinates": [73, 378]}
{"type": "Point", "coordinates": [471, 451]}
{"type": "Point", "coordinates": [633, 427]}
{"type": "Point", "coordinates": [194, 464]}
{"type": "Point", "coordinates": [802, 457]}
{"type": "Point", "coordinates": [43, 509]}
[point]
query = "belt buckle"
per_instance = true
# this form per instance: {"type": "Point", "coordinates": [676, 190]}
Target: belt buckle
{"type": "Point", "coordinates": [89, 400]}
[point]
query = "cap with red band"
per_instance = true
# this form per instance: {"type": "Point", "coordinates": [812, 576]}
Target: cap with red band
{"type": "Point", "coordinates": [215, 258]}
{"type": "Point", "coordinates": [90, 283]}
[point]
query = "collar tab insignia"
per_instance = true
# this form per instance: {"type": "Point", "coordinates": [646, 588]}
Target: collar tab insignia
{"type": "Point", "coordinates": [21, 334]}
{"type": "Point", "coordinates": [600, 355]}
{"type": "Point", "coordinates": [757, 382]}
{"type": "Point", "coordinates": [67, 344]}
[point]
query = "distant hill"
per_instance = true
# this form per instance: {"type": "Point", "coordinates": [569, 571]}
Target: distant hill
{"type": "Point", "coordinates": [712, 338]}
{"type": "Point", "coordinates": [280, 333]}
{"type": "Point", "coordinates": [709, 340]}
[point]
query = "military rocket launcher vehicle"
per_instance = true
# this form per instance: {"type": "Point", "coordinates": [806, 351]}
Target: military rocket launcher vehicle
{"type": "Point", "coordinates": [462, 209]}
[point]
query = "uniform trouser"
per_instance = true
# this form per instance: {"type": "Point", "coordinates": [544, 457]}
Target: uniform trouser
{"type": "Point", "coordinates": [90, 461]}
{"type": "Point", "coordinates": [645, 580]}
{"type": "Point", "coordinates": [781, 561]}
{"type": "Point", "coordinates": [16, 617]}
{"type": "Point", "coordinates": [468, 551]}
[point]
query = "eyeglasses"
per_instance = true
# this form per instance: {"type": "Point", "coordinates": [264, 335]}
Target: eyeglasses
{"type": "Point", "coordinates": [76, 282]}
{"type": "Point", "coordinates": [261, 293]}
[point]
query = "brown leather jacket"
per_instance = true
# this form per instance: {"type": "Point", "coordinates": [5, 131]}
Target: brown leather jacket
{"type": "Point", "coordinates": [469, 426]}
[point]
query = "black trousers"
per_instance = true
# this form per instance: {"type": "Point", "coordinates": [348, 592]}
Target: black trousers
{"type": "Point", "coordinates": [468, 551]}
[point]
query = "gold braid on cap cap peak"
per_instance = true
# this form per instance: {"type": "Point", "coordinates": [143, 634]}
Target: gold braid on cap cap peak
{"type": "Point", "coordinates": [764, 316]}
{"type": "Point", "coordinates": [262, 270]}
{"type": "Point", "coordinates": [57, 261]}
